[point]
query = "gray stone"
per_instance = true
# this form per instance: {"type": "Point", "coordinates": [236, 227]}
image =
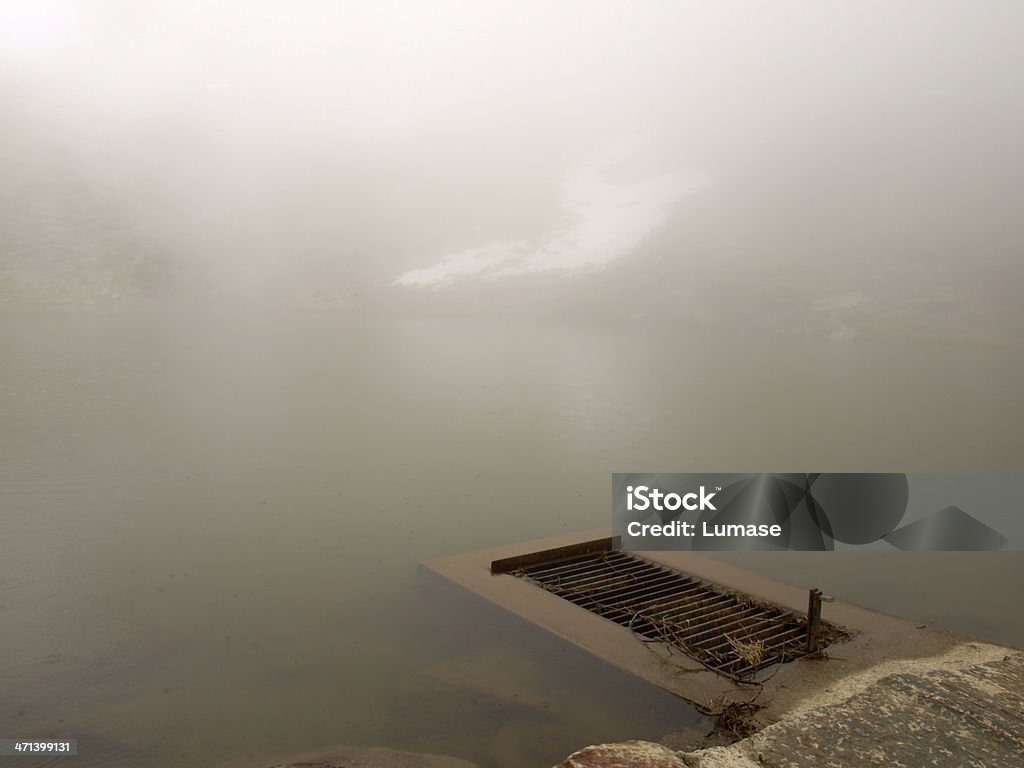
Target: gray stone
{"type": "Point", "coordinates": [942, 717]}
{"type": "Point", "coordinates": [628, 754]}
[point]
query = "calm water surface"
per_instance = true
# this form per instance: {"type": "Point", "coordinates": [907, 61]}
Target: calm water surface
{"type": "Point", "coordinates": [211, 524]}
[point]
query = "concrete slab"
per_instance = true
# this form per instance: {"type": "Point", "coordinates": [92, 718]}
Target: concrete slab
{"type": "Point", "coordinates": [878, 639]}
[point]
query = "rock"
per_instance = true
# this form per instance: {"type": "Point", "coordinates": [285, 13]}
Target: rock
{"type": "Point", "coordinates": [628, 754]}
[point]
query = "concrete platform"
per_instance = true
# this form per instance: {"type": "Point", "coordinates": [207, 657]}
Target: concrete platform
{"type": "Point", "coordinates": [879, 642]}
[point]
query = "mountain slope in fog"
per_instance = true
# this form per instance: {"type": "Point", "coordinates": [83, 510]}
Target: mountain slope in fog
{"type": "Point", "coordinates": [64, 239]}
{"type": "Point", "coordinates": [838, 237]}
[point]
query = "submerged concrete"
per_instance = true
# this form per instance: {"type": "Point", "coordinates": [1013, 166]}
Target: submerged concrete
{"type": "Point", "coordinates": [878, 640]}
{"type": "Point", "coordinates": [896, 694]}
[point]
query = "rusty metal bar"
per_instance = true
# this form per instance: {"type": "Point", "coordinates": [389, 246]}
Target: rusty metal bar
{"type": "Point", "coordinates": [728, 620]}
{"type": "Point", "coordinates": [639, 588]}
{"type": "Point", "coordinates": [593, 575]}
{"type": "Point", "coordinates": [774, 637]}
{"type": "Point", "coordinates": [692, 607]}
{"type": "Point", "coordinates": [589, 580]}
{"type": "Point", "coordinates": [813, 619]}
{"type": "Point", "coordinates": [707, 622]}
{"type": "Point", "coordinates": [662, 603]}
{"type": "Point", "coordinates": [584, 563]}
{"type": "Point", "coordinates": [506, 564]}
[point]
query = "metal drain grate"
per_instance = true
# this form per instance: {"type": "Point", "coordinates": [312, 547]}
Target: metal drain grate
{"type": "Point", "coordinates": [730, 633]}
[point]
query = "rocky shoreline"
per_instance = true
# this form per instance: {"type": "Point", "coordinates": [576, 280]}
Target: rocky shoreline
{"type": "Point", "coordinates": [965, 707]}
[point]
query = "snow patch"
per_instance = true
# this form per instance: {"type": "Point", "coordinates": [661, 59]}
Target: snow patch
{"type": "Point", "coordinates": [609, 219]}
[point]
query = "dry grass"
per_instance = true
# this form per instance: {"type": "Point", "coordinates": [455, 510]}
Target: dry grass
{"type": "Point", "coordinates": [733, 720]}
{"type": "Point", "coordinates": [751, 651]}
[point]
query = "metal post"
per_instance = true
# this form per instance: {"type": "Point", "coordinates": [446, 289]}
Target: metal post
{"type": "Point", "coordinates": [813, 619]}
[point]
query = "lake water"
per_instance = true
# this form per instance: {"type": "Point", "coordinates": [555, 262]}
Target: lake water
{"type": "Point", "coordinates": [211, 523]}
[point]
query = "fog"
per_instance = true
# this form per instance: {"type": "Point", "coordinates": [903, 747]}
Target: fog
{"type": "Point", "coordinates": [295, 296]}
{"type": "Point", "coordinates": [664, 160]}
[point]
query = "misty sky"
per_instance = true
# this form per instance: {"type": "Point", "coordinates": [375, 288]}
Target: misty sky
{"type": "Point", "coordinates": [410, 146]}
